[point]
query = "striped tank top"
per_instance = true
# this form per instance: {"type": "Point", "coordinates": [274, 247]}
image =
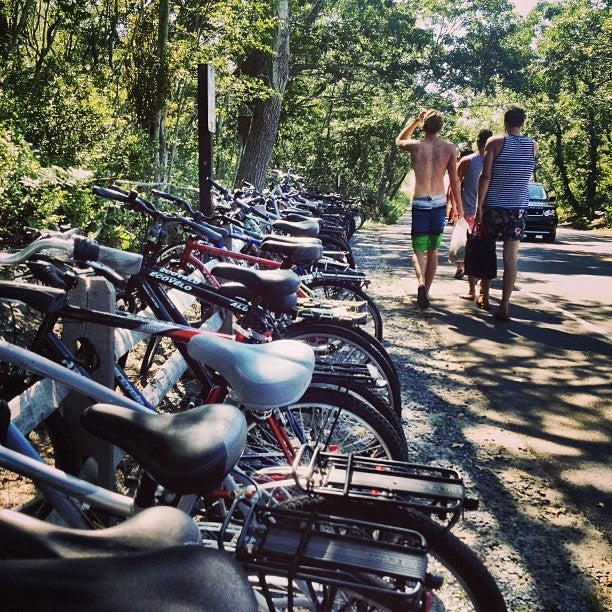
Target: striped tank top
{"type": "Point", "coordinates": [510, 174]}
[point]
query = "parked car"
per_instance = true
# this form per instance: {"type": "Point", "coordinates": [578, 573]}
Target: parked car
{"type": "Point", "coordinates": [542, 215]}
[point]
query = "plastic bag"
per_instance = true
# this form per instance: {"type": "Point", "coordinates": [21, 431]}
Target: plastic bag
{"type": "Point", "coordinates": [456, 250]}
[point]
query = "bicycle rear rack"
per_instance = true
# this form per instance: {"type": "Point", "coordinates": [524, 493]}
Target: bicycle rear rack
{"type": "Point", "coordinates": [335, 551]}
{"type": "Point", "coordinates": [426, 488]}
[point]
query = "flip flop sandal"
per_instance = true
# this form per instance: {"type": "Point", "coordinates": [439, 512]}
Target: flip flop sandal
{"type": "Point", "coordinates": [482, 304]}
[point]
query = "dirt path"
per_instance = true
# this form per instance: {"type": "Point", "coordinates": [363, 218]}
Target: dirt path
{"type": "Point", "coordinates": [543, 550]}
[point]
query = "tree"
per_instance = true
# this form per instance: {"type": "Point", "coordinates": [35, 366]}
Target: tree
{"type": "Point", "coordinates": [571, 96]}
{"type": "Point", "coordinates": [272, 67]}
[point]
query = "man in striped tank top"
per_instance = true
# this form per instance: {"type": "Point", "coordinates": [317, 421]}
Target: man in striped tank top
{"type": "Point", "coordinates": [503, 199]}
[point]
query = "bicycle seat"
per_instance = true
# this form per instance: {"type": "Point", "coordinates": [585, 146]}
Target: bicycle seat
{"type": "Point", "coordinates": [185, 578]}
{"type": "Point", "coordinates": [299, 254]}
{"type": "Point", "coordinates": [296, 216]}
{"type": "Point", "coordinates": [188, 452]}
{"type": "Point", "coordinates": [261, 376]}
{"type": "Point", "coordinates": [276, 303]}
{"type": "Point", "coordinates": [301, 240]}
{"type": "Point", "coordinates": [308, 227]}
{"type": "Point", "coordinates": [42, 299]}
{"type": "Point", "coordinates": [26, 537]}
{"type": "Point", "coordinates": [265, 283]}
{"type": "Point", "coordinates": [287, 212]}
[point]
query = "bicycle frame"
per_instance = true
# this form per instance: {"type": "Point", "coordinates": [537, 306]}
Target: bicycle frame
{"type": "Point", "coordinates": [20, 456]}
{"type": "Point", "coordinates": [180, 334]}
{"type": "Point", "coordinates": [194, 245]}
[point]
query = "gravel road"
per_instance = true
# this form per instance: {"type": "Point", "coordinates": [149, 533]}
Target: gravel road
{"type": "Point", "coordinates": [543, 551]}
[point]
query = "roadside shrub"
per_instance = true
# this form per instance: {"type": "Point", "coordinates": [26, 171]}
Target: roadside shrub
{"type": "Point", "coordinates": [21, 200]}
{"type": "Point", "coordinates": [37, 197]}
{"type": "Point", "coordinates": [393, 209]}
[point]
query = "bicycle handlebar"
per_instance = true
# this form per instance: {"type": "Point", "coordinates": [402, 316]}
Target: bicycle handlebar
{"type": "Point", "coordinates": [80, 249]}
{"type": "Point", "coordinates": [135, 201]}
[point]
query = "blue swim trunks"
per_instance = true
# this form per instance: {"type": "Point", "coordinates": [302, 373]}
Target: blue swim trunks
{"type": "Point", "coordinates": [428, 218]}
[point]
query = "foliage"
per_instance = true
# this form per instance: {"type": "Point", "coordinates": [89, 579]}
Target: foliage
{"type": "Point", "coordinates": [571, 98]}
{"type": "Point", "coordinates": [394, 208]}
{"type": "Point", "coordinates": [105, 88]}
{"type": "Point", "coordinates": [34, 196]}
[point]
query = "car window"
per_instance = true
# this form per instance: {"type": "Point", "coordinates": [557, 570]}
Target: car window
{"type": "Point", "coordinates": [536, 191]}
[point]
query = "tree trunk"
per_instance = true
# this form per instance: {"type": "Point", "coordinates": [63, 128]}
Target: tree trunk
{"type": "Point", "coordinates": [567, 192]}
{"type": "Point", "coordinates": [591, 178]}
{"type": "Point", "coordinates": [385, 178]}
{"type": "Point", "coordinates": [274, 71]}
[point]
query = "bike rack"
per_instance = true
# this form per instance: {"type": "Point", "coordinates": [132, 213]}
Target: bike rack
{"type": "Point", "coordinates": [338, 551]}
{"type": "Point", "coordinates": [429, 489]}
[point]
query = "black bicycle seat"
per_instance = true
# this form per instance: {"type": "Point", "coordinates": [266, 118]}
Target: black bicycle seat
{"type": "Point", "coordinates": [300, 254]}
{"type": "Point", "coordinates": [308, 227]}
{"type": "Point", "coordinates": [186, 578]}
{"type": "Point", "coordinates": [42, 299]}
{"type": "Point", "coordinates": [188, 452]}
{"type": "Point", "coordinates": [26, 537]}
{"type": "Point", "coordinates": [266, 283]}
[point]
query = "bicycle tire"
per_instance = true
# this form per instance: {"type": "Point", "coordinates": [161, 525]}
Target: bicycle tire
{"type": "Point", "coordinates": [359, 216]}
{"type": "Point", "coordinates": [338, 290]}
{"type": "Point", "coordinates": [350, 346]}
{"type": "Point", "coordinates": [334, 243]}
{"type": "Point", "coordinates": [378, 345]}
{"type": "Point", "coordinates": [463, 567]}
{"type": "Point", "coordinates": [359, 429]}
{"type": "Point", "coordinates": [367, 395]}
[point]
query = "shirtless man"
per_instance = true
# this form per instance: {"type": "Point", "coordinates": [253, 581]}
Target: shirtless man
{"type": "Point", "coordinates": [431, 158]}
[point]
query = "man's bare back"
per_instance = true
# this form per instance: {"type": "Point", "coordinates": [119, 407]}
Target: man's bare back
{"type": "Point", "coordinates": [431, 158]}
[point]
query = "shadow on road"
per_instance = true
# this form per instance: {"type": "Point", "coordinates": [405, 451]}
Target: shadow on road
{"type": "Point", "coordinates": [547, 384]}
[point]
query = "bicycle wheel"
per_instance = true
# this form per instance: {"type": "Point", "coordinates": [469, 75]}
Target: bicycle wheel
{"type": "Point", "coordinates": [339, 420]}
{"type": "Point", "coordinates": [335, 290]}
{"type": "Point", "coordinates": [467, 584]}
{"type": "Point", "coordinates": [338, 249]}
{"type": "Point", "coordinates": [340, 349]}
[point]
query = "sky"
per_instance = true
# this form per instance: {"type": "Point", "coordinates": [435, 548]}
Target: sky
{"type": "Point", "coordinates": [524, 6]}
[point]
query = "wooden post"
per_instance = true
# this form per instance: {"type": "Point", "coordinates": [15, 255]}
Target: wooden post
{"type": "Point", "coordinates": [97, 294]}
{"type": "Point", "coordinates": [206, 129]}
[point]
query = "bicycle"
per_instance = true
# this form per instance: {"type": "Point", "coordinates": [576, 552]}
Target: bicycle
{"type": "Point", "coordinates": [324, 282]}
{"type": "Point", "coordinates": [348, 347]}
{"type": "Point", "coordinates": [275, 423]}
{"type": "Point", "coordinates": [320, 558]}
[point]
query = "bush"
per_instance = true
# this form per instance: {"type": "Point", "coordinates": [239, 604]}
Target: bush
{"type": "Point", "coordinates": [32, 196]}
{"type": "Point", "coordinates": [393, 209]}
